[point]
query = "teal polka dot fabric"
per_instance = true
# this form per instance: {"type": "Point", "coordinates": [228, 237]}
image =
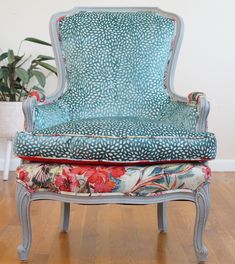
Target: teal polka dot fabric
{"type": "Point", "coordinates": [115, 64]}
{"type": "Point", "coordinates": [116, 107]}
{"type": "Point", "coordinates": [118, 140]}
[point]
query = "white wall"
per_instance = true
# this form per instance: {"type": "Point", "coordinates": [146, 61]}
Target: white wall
{"type": "Point", "coordinates": [206, 62]}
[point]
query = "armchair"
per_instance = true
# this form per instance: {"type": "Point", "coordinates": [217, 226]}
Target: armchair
{"type": "Point", "coordinates": [115, 131]}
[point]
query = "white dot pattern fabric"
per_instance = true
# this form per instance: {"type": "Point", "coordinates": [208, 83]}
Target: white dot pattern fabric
{"type": "Point", "coordinates": [116, 108]}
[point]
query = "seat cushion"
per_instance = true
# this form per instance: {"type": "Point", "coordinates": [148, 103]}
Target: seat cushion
{"type": "Point", "coordinates": [115, 140]}
{"type": "Point", "coordinates": [112, 180]}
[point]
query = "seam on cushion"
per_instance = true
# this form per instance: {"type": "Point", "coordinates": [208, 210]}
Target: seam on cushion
{"type": "Point", "coordinates": [117, 137]}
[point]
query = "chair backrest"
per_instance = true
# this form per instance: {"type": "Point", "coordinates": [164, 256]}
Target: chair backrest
{"type": "Point", "coordinates": [114, 62]}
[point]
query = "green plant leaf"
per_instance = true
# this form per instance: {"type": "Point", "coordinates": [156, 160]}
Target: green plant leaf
{"type": "Point", "coordinates": [23, 94]}
{"type": "Point", "coordinates": [17, 92]}
{"type": "Point", "coordinates": [22, 74]}
{"type": "Point", "coordinates": [44, 57]}
{"type": "Point", "coordinates": [18, 58]}
{"type": "Point", "coordinates": [19, 86]}
{"type": "Point", "coordinates": [23, 62]}
{"type": "Point", "coordinates": [11, 56]}
{"type": "Point", "coordinates": [3, 56]}
{"type": "Point", "coordinates": [38, 41]}
{"type": "Point", "coordinates": [47, 66]}
{"type": "Point", "coordinates": [38, 89]}
{"type": "Point", "coordinates": [40, 77]}
{"type": "Point", "coordinates": [4, 89]}
{"type": "Point", "coordinates": [4, 72]}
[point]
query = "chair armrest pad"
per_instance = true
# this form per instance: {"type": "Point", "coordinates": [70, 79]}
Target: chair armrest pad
{"type": "Point", "coordinates": [187, 113]}
{"type": "Point", "coordinates": [39, 115]}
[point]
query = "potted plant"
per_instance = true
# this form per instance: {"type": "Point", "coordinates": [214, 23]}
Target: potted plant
{"type": "Point", "coordinates": [17, 81]}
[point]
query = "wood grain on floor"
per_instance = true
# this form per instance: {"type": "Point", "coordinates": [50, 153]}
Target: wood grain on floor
{"type": "Point", "coordinates": [120, 234]}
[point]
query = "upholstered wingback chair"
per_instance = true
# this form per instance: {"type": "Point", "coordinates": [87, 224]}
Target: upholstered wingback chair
{"type": "Point", "coordinates": [115, 131]}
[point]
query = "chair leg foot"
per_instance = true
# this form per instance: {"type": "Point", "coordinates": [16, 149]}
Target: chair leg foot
{"type": "Point", "coordinates": [64, 217]}
{"type": "Point", "coordinates": [202, 210]}
{"type": "Point", "coordinates": [23, 206]}
{"type": "Point", "coordinates": [23, 253]}
{"type": "Point", "coordinates": [162, 218]}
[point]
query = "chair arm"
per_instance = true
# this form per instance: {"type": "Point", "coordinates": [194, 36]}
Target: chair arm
{"type": "Point", "coordinates": [186, 113]}
{"type": "Point", "coordinates": [39, 115]}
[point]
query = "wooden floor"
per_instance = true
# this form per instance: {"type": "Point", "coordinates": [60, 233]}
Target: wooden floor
{"type": "Point", "coordinates": [120, 234]}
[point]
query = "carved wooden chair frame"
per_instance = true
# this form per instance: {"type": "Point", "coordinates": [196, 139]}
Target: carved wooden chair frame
{"type": "Point", "coordinates": [200, 197]}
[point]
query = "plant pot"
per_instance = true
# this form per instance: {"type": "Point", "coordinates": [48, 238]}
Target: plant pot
{"type": "Point", "coordinates": [11, 119]}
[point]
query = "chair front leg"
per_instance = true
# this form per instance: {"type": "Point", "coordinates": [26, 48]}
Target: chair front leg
{"type": "Point", "coordinates": [202, 201]}
{"type": "Point", "coordinates": [64, 217]}
{"type": "Point", "coordinates": [23, 200]}
{"type": "Point", "coordinates": [162, 217]}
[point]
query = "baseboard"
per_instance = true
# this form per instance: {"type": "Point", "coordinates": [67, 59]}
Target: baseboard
{"type": "Point", "coordinates": [216, 165]}
{"type": "Point", "coordinates": [222, 165]}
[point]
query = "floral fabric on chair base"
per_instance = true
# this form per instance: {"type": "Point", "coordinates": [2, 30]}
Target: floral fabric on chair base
{"type": "Point", "coordinates": [112, 180]}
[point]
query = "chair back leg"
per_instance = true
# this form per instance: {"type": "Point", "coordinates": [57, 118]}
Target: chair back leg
{"type": "Point", "coordinates": [64, 217]}
{"type": "Point", "coordinates": [162, 217]}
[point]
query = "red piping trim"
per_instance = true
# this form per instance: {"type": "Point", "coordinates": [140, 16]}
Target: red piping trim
{"type": "Point", "coordinates": [100, 162]}
{"type": "Point", "coordinates": [59, 19]}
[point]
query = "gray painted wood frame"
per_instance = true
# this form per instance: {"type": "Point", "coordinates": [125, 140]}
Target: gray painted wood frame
{"type": "Point", "coordinates": [200, 197]}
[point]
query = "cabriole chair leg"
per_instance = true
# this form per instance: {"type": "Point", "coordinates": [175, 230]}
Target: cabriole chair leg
{"type": "Point", "coordinates": [202, 202]}
{"type": "Point", "coordinates": [162, 217]}
{"type": "Point", "coordinates": [23, 205]}
{"type": "Point", "coordinates": [64, 217]}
